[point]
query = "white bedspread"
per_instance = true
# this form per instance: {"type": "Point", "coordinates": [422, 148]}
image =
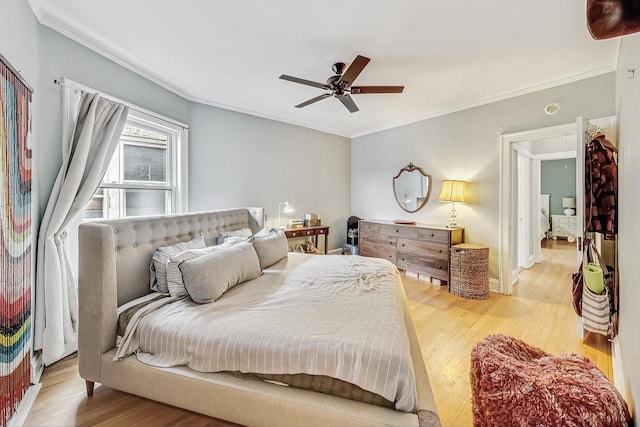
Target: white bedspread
{"type": "Point", "coordinates": [339, 316]}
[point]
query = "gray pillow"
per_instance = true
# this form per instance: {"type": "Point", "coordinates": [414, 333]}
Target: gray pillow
{"type": "Point", "coordinates": [271, 248]}
{"type": "Point", "coordinates": [209, 276]}
{"type": "Point", "coordinates": [174, 275]}
{"type": "Point", "coordinates": [158, 267]}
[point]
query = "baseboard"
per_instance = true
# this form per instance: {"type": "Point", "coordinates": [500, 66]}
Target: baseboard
{"type": "Point", "coordinates": [337, 251]}
{"type": "Point", "coordinates": [37, 367]}
{"type": "Point", "coordinates": [618, 374]}
{"type": "Point", "coordinates": [25, 405]}
{"type": "Point", "coordinates": [494, 285]}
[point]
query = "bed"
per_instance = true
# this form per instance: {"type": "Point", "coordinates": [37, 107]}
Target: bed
{"type": "Point", "coordinates": [114, 270]}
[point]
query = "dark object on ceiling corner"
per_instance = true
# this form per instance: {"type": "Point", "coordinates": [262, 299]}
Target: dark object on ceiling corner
{"type": "Point", "coordinates": [339, 85]}
{"type": "Point", "coordinates": [612, 18]}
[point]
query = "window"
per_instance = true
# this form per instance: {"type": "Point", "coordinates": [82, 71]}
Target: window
{"type": "Point", "coordinates": [143, 177]}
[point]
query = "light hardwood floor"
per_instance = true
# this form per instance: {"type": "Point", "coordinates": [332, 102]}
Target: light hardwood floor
{"type": "Point", "coordinates": [448, 327]}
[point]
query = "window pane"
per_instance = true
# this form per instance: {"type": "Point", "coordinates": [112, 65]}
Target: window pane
{"type": "Point", "coordinates": [143, 163]}
{"type": "Point", "coordinates": [94, 209]}
{"type": "Point", "coordinates": [145, 202]}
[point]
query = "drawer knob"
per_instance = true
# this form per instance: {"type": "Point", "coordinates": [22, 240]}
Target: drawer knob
{"type": "Point", "coordinates": [440, 251]}
{"type": "Point", "coordinates": [432, 234]}
{"type": "Point", "coordinates": [397, 231]}
{"type": "Point", "coordinates": [403, 245]}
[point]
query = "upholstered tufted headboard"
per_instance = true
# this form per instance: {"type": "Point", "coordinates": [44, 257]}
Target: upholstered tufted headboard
{"type": "Point", "coordinates": [114, 258]}
{"type": "Point", "coordinates": [136, 239]}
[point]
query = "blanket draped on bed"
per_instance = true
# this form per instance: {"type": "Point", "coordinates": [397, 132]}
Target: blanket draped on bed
{"type": "Point", "coordinates": [338, 316]}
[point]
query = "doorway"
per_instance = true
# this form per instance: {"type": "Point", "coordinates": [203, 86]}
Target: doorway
{"type": "Point", "coordinates": [512, 150]}
{"type": "Point", "coordinates": [545, 173]}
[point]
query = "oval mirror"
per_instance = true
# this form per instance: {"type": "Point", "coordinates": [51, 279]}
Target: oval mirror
{"type": "Point", "coordinates": [412, 188]}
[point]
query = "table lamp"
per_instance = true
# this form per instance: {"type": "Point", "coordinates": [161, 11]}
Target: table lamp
{"type": "Point", "coordinates": [283, 207]}
{"type": "Point", "coordinates": [452, 191]}
{"type": "Point", "coordinates": [569, 203]}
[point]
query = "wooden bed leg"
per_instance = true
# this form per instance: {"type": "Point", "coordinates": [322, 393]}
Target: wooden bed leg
{"type": "Point", "coordinates": [89, 385]}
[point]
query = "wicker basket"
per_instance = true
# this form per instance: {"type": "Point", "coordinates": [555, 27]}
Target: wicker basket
{"type": "Point", "coordinates": [470, 271]}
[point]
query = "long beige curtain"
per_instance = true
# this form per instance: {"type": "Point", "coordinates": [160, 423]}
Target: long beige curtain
{"type": "Point", "coordinates": [94, 139]}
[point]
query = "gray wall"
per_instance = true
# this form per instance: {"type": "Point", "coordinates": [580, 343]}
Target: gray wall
{"type": "Point", "coordinates": [241, 160]}
{"type": "Point", "coordinates": [464, 145]}
{"type": "Point", "coordinates": [628, 104]}
{"type": "Point", "coordinates": [558, 178]}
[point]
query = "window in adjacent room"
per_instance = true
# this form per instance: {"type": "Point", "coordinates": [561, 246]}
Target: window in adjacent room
{"type": "Point", "coordinates": [143, 176]}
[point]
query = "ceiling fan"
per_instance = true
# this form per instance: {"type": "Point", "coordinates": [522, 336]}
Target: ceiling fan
{"type": "Point", "coordinates": [339, 85]}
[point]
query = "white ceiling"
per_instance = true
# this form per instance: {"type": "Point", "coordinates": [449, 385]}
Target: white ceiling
{"type": "Point", "coordinates": [449, 55]}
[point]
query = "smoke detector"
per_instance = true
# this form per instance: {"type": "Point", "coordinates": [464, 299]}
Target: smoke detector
{"type": "Point", "coordinates": [551, 109]}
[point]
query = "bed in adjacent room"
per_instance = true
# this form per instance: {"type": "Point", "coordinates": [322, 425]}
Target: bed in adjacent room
{"type": "Point", "coordinates": [545, 224]}
{"type": "Point", "coordinates": [297, 339]}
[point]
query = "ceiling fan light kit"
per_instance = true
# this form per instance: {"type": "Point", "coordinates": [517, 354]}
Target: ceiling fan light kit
{"type": "Point", "coordinates": [340, 85]}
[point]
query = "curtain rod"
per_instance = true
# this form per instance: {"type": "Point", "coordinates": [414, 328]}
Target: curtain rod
{"type": "Point", "coordinates": [66, 82]}
{"type": "Point", "coordinates": [22, 80]}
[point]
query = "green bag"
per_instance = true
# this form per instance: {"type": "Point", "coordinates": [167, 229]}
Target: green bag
{"type": "Point", "coordinates": [593, 278]}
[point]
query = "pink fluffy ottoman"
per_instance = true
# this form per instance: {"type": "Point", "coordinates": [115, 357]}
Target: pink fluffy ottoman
{"type": "Point", "coordinates": [515, 384]}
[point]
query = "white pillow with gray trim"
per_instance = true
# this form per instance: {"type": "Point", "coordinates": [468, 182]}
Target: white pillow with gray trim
{"type": "Point", "coordinates": [243, 232]}
{"type": "Point", "coordinates": [206, 278]}
{"type": "Point", "coordinates": [158, 267]}
{"type": "Point", "coordinates": [271, 248]}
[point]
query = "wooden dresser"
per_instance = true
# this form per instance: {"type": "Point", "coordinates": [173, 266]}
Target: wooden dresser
{"type": "Point", "coordinates": [420, 248]}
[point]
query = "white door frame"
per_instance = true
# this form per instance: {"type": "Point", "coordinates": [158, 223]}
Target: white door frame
{"type": "Point", "coordinates": [509, 274]}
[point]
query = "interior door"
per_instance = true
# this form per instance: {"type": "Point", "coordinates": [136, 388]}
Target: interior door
{"type": "Point", "coordinates": [581, 141]}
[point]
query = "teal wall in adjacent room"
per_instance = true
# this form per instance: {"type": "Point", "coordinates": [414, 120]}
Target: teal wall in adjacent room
{"type": "Point", "coordinates": [558, 178]}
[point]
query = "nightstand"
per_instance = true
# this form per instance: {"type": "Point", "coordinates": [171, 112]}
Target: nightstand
{"type": "Point", "coordinates": [563, 226]}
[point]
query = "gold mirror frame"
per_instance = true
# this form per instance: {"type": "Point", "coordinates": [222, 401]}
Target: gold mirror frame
{"type": "Point", "coordinates": [421, 198]}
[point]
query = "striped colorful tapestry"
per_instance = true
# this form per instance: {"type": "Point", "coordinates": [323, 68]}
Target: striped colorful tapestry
{"type": "Point", "coordinates": [15, 240]}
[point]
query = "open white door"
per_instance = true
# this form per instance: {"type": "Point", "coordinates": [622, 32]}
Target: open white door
{"type": "Point", "coordinates": [581, 141]}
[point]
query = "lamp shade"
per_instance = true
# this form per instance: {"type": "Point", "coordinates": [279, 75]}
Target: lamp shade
{"type": "Point", "coordinates": [568, 202]}
{"type": "Point", "coordinates": [452, 191]}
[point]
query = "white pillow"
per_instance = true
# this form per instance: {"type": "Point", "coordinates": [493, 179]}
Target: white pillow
{"type": "Point", "coordinates": [158, 267]}
{"type": "Point", "coordinates": [271, 248]}
{"type": "Point", "coordinates": [175, 284]}
{"type": "Point", "coordinates": [209, 276]}
{"type": "Point", "coordinates": [243, 233]}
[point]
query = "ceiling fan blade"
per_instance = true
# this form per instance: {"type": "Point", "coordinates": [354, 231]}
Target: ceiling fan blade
{"type": "Point", "coordinates": [354, 69]}
{"type": "Point", "coordinates": [355, 90]}
{"type": "Point", "coordinates": [347, 101]}
{"type": "Point", "coordinates": [304, 82]}
{"type": "Point", "coordinates": [312, 100]}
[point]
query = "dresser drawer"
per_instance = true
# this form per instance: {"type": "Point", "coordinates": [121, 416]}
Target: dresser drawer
{"type": "Point", "coordinates": [569, 221]}
{"type": "Point", "coordinates": [430, 235]}
{"type": "Point", "coordinates": [300, 233]}
{"type": "Point", "coordinates": [378, 250]}
{"type": "Point", "coordinates": [377, 238]}
{"type": "Point", "coordinates": [438, 268]}
{"type": "Point", "coordinates": [368, 227]}
{"type": "Point", "coordinates": [420, 248]}
{"type": "Point", "coordinates": [399, 231]}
